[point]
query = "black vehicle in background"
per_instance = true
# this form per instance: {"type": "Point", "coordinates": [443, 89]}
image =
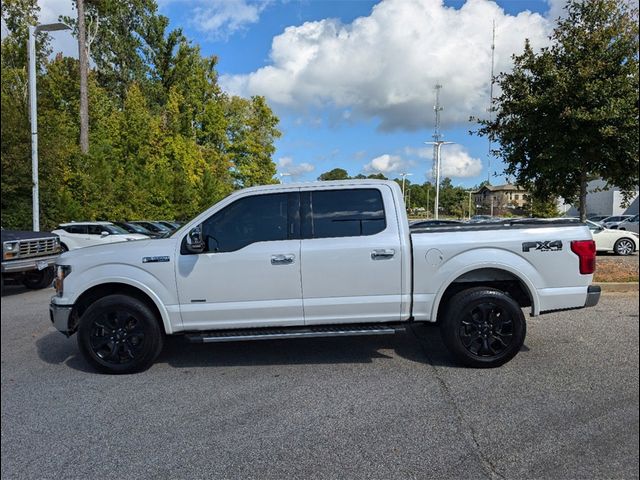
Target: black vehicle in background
{"type": "Point", "coordinates": [156, 227]}
{"type": "Point", "coordinates": [170, 224]}
{"type": "Point", "coordinates": [29, 257]}
{"type": "Point", "coordinates": [435, 223]}
{"type": "Point", "coordinates": [132, 227]}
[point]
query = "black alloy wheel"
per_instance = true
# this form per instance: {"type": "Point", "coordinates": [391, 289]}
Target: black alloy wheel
{"type": "Point", "coordinates": [486, 330]}
{"type": "Point", "coordinates": [120, 334]}
{"type": "Point", "coordinates": [483, 327]}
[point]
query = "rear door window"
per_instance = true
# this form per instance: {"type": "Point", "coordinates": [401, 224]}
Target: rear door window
{"type": "Point", "coordinates": [346, 213]}
{"type": "Point", "coordinates": [79, 229]}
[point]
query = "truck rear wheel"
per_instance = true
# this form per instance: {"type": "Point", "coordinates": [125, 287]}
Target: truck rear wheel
{"type": "Point", "coordinates": [120, 334]}
{"type": "Point", "coordinates": [38, 279]}
{"type": "Point", "coordinates": [483, 327]}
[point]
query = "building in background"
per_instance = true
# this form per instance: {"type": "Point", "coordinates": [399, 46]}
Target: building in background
{"type": "Point", "coordinates": [500, 199]}
{"type": "Point", "coordinates": [602, 202]}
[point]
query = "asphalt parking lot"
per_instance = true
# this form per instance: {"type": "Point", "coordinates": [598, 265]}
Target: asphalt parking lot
{"type": "Point", "coordinates": [365, 407]}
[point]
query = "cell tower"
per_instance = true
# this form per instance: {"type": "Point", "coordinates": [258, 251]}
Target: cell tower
{"type": "Point", "coordinates": [493, 52]}
{"type": "Point", "coordinates": [437, 136]}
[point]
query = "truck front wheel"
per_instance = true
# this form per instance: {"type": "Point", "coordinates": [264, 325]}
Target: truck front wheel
{"type": "Point", "coordinates": [119, 334]}
{"type": "Point", "coordinates": [38, 279]}
{"type": "Point", "coordinates": [483, 327]}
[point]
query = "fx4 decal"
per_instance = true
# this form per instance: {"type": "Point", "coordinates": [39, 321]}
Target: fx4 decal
{"type": "Point", "coordinates": [548, 246]}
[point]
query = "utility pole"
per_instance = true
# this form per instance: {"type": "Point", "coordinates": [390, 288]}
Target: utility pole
{"type": "Point", "coordinates": [404, 175]}
{"type": "Point", "coordinates": [33, 114]}
{"type": "Point", "coordinates": [438, 146]}
{"type": "Point", "coordinates": [84, 71]}
{"type": "Point", "coordinates": [437, 136]}
{"type": "Point", "coordinates": [493, 51]}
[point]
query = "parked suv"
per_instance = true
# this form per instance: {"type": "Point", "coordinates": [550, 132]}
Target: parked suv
{"type": "Point", "coordinates": [29, 257]}
{"type": "Point", "coordinates": [85, 234]}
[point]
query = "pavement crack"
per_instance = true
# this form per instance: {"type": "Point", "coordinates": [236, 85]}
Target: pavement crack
{"type": "Point", "coordinates": [464, 426]}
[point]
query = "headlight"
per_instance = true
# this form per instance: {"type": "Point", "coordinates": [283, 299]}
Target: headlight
{"type": "Point", "coordinates": [10, 250]}
{"type": "Point", "coordinates": [62, 271]}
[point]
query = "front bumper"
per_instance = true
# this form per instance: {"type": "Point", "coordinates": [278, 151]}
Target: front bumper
{"type": "Point", "coordinates": [60, 316]}
{"type": "Point", "coordinates": [593, 295]}
{"type": "Point", "coordinates": [27, 264]}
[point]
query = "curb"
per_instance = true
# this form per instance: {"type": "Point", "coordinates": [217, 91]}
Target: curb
{"type": "Point", "coordinates": [618, 287]}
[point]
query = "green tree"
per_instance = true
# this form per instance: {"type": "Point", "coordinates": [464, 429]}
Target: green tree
{"type": "Point", "coordinates": [335, 174]}
{"type": "Point", "coordinates": [541, 208]}
{"type": "Point", "coordinates": [252, 131]}
{"type": "Point", "coordinates": [569, 113]}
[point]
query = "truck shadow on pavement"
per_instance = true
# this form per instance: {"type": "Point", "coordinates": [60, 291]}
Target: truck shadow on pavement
{"type": "Point", "coordinates": [419, 344]}
{"type": "Point", "coordinates": [10, 290]}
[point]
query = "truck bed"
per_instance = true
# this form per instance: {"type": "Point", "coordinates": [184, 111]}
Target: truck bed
{"type": "Point", "coordinates": [535, 253]}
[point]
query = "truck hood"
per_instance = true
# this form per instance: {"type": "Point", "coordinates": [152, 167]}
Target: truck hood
{"type": "Point", "coordinates": [13, 235]}
{"type": "Point", "coordinates": [119, 252]}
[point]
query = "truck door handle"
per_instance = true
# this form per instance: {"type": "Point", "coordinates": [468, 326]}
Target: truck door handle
{"type": "Point", "coordinates": [383, 254]}
{"type": "Point", "coordinates": [282, 259]}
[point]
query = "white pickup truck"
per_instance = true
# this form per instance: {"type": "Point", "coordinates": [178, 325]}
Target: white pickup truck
{"type": "Point", "coordinates": [320, 259]}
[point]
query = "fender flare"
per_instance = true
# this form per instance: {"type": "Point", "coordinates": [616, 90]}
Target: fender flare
{"type": "Point", "coordinates": [526, 281]}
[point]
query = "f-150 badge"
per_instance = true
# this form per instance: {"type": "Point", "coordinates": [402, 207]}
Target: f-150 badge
{"type": "Point", "coordinates": [548, 246]}
{"type": "Point", "coordinates": [155, 259]}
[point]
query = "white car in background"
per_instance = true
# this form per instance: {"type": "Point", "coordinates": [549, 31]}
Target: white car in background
{"type": "Point", "coordinates": [630, 224]}
{"type": "Point", "coordinates": [621, 242]}
{"type": "Point", "coordinates": [85, 234]}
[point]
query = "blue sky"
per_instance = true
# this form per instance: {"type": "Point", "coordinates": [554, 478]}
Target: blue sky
{"type": "Point", "coordinates": [353, 82]}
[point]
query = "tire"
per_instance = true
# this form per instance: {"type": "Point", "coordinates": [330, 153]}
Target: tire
{"type": "Point", "coordinates": [483, 327]}
{"type": "Point", "coordinates": [38, 279]}
{"type": "Point", "coordinates": [624, 247]}
{"type": "Point", "coordinates": [120, 334]}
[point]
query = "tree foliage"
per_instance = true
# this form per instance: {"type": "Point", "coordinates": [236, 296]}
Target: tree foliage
{"type": "Point", "coordinates": [165, 140]}
{"type": "Point", "coordinates": [569, 113]}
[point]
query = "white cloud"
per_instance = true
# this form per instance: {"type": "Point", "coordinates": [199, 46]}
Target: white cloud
{"type": "Point", "coordinates": [287, 166]}
{"type": "Point", "coordinates": [455, 161]}
{"type": "Point", "coordinates": [221, 18]}
{"type": "Point", "coordinates": [386, 164]}
{"type": "Point", "coordinates": [556, 9]}
{"type": "Point", "coordinates": [387, 64]}
{"type": "Point", "coordinates": [61, 41]}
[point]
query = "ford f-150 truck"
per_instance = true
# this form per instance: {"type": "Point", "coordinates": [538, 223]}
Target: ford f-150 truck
{"type": "Point", "coordinates": [320, 259]}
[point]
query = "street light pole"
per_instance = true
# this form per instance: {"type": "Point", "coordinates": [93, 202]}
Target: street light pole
{"type": "Point", "coordinates": [438, 145]}
{"type": "Point", "coordinates": [282, 175]}
{"type": "Point", "coordinates": [34, 129]}
{"type": "Point", "coordinates": [33, 113]}
{"type": "Point", "coordinates": [404, 175]}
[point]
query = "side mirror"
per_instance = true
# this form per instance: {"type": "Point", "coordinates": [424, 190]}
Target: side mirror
{"type": "Point", "coordinates": [193, 240]}
{"type": "Point", "coordinates": [104, 233]}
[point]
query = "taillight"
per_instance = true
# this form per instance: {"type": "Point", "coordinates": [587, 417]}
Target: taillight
{"type": "Point", "coordinates": [586, 251]}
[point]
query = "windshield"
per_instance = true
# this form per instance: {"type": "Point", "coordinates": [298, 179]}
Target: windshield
{"type": "Point", "coordinates": [114, 229]}
{"type": "Point", "coordinates": [593, 225]}
{"type": "Point", "coordinates": [138, 228]}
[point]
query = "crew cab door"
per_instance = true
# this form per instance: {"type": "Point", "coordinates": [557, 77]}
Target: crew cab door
{"type": "Point", "coordinates": [351, 255]}
{"type": "Point", "coordinates": [249, 274]}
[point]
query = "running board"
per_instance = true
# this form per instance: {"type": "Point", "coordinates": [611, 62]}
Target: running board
{"type": "Point", "coordinates": [293, 332]}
